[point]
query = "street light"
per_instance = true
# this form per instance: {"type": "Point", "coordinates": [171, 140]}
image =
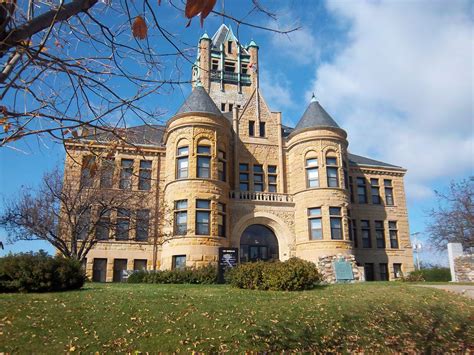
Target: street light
{"type": "Point", "coordinates": [416, 249]}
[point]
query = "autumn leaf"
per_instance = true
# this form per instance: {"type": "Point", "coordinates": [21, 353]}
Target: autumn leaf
{"type": "Point", "coordinates": [6, 127]}
{"type": "Point", "coordinates": [196, 7]}
{"type": "Point", "coordinates": [139, 28]}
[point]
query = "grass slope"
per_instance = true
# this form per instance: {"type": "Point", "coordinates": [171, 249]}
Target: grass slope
{"type": "Point", "coordinates": [121, 317]}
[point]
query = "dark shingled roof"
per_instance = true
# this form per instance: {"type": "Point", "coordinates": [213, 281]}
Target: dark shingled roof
{"type": "Point", "coordinates": [199, 101]}
{"type": "Point", "coordinates": [315, 116]}
{"type": "Point", "coordinates": [355, 160]}
{"type": "Point", "coordinates": [140, 135]}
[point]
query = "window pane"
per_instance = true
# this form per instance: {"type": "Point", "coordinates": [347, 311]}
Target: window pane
{"type": "Point", "coordinates": [336, 228]}
{"type": "Point", "coordinates": [243, 167]}
{"type": "Point", "coordinates": [203, 149]}
{"type": "Point", "coordinates": [272, 179]}
{"type": "Point", "coordinates": [181, 204]}
{"type": "Point", "coordinates": [316, 230]}
{"type": "Point", "coordinates": [258, 169]}
{"type": "Point", "coordinates": [272, 188]}
{"type": "Point", "coordinates": [258, 187]}
{"type": "Point", "coordinates": [335, 211]}
{"type": "Point", "coordinates": [272, 169]}
{"type": "Point", "coordinates": [179, 261]}
{"type": "Point", "coordinates": [244, 187]}
{"type": "Point", "coordinates": [387, 183]}
{"type": "Point", "coordinates": [314, 211]}
{"type": "Point", "coordinates": [221, 207]}
{"type": "Point", "coordinates": [312, 174]}
{"type": "Point", "coordinates": [392, 225]}
{"type": "Point", "coordinates": [182, 168]}
{"type": "Point", "coordinates": [243, 177]}
{"type": "Point", "coordinates": [202, 222]}
{"type": "Point", "coordinates": [312, 162]}
{"type": "Point", "coordinates": [258, 178]}
{"type": "Point", "coordinates": [331, 161]}
{"type": "Point", "coordinates": [183, 151]}
{"type": "Point", "coordinates": [204, 164]}
{"type": "Point", "coordinates": [203, 204]}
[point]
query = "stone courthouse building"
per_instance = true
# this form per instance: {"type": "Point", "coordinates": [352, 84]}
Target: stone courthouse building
{"type": "Point", "coordinates": [225, 172]}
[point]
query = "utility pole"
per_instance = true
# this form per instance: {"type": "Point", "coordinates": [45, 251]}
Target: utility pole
{"type": "Point", "coordinates": [416, 249]}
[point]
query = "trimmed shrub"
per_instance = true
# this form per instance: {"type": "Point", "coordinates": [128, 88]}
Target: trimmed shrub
{"type": "Point", "coordinates": [203, 275]}
{"type": "Point", "coordinates": [39, 272]}
{"type": "Point", "coordinates": [436, 273]}
{"type": "Point", "coordinates": [291, 275]}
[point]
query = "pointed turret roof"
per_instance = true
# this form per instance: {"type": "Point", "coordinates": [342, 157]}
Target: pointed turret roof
{"type": "Point", "coordinates": [315, 116]}
{"type": "Point", "coordinates": [199, 101]}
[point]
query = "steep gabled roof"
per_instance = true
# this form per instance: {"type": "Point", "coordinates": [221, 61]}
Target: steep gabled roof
{"type": "Point", "coordinates": [140, 135]}
{"type": "Point", "coordinates": [356, 160]}
{"type": "Point", "coordinates": [223, 35]}
{"type": "Point", "coordinates": [315, 116]}
{"type": "Point", "coordinates": [199, 101]}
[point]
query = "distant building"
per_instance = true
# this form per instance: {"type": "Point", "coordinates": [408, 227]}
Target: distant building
{"type": "Point", "coordinates": [225, 172]}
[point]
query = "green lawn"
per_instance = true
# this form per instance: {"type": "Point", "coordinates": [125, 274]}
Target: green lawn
{"type": "Point", "coordinates": [122, 317]}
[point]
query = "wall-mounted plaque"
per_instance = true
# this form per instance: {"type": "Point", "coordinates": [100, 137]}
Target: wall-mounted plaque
{"type": "Point", "coordinates": [343, 270]}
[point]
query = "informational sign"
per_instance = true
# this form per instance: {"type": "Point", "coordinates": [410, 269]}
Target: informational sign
{"type": "Point", "coordinates": [343, 271]}
{"type": "Point", "coordinates": [228, 258]}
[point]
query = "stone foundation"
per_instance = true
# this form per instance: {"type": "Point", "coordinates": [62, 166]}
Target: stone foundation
{"type": "Point", "coordinates": [464, 268]}
{"type": "Point", "coordinates": [326, 267]}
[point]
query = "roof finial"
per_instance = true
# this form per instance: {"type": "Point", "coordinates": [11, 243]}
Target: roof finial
{"type": "Point", "coordinates": [313, 98]}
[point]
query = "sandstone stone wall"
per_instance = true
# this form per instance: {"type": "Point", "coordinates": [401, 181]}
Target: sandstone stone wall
{"type": "Point", "coordinates": [326, 267]}
{"type": "Point", "coordinates": [464, 268]}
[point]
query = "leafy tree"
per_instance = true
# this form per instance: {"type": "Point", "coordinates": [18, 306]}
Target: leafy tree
{"type": "Point", "coordinates": [452, 221]}
{"type": "Point", "coordinates": [68, 65]}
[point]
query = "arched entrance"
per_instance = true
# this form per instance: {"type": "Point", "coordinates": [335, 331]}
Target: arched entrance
{"type": "Point", "coordinates": [258, 242]}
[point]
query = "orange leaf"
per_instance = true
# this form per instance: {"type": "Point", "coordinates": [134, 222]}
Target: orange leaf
{"type": "Point", "coordinates": [139, 28]}
{"type": "Point", "coordinates": [195, 7]}
{"type": "Point", "coordinates": [6, 127]}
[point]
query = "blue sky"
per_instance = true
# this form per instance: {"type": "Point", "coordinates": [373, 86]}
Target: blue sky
{"type": "Point", "coordinates": [397, 75]}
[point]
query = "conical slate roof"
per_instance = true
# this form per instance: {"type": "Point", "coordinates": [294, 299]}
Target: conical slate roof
{"type": "Point", "coordinates": [315, 116]}
{"type": "Point", "coordinates": [199, 101]}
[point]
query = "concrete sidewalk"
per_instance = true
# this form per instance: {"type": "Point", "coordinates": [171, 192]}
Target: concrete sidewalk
{"type": "Point", "coordinates": [465, 290]}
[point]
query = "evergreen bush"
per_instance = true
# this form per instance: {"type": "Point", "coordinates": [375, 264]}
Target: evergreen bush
{"type": "Point", "coordinates": [203, 275]}
{"type": "Point", "coordinates": [39, 272]}
{"type": "Point", "coordinates": [291, 275]}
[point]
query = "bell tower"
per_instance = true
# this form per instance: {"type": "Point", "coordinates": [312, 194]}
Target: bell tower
{"type": "Point", "coordinates": [226, 69]}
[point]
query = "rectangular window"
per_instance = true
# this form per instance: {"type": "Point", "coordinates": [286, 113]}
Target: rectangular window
{"type": "Point", "coordinates": [272, 178]}
{"type": "Point", "coordinates": [83, 224]}
{"type": "Point", "coordinates": [215, 64]}
{"type": "Point", "coordinates": [245, 68]}
{"type": "Point", "coordinates": [383, 272]}
{"type": "Point", "coordinates": [375, 192]}
{"type": "Point", "coordinates": [262, 129]}
{"type": "Point", "coordinates": [139, 264]}
{"type": "Point", "coordinates": [354, 233]}
{"type": "Point", "coordinates": [221, 166]}
{"type": "Point", "coordinates": [258, 178]}
{"type": "Point", "coordinates": [182, 163]}
{"type": "Point", "coordinates": [204, 161]}
{"type": "Point", "coordinates": [143, 225]}
{"type": "Point", "coordinates": [221, 220]}
{"type": "Point", "coordinates": [88, 170]}
{"type": "Point", "coordinates": [393, 231]}
{"type": "Point", "coordinates": [179, 262]}
{"type": "Point", "coordinates": [315, 226]}
{"type": "Point", "coordinates": [123, 224]}
{"type": "Point", "coordinates": [107, 173]}
{"type": "Point", "coordinates": [312, 174]}
{"type": "Point", "coordinates": [229, 47]}
{"type": "Point", "coordinates": [366, 238]}
{"type": "Point", "coordinates": [332, 175]}
{"type": "Point", "coordinates": [102, 230]}
{"type": "Point", "coordinates": [229, 67]}
{"type": "Point", "coordinates": [361, 191]}
{"type": "Point", "coordinates": [388, 192]}
{"type": "Point", "coordinates": [244, 177]}
{"type": "Point", "coordinates": [126, 173]}
{"type": "Point", "coordinates": [369, 271]}
{"type": "Point", "coordinates": [336, 223]}
{"type": "Point", "coordinates": [231, 107]}
{"type": "Point", "coordinates": [397, 270]}
{"type": "Point", "coordinates": [203, 216]}
{"type": "Point", "coordinates": [351, 188]}
{"type": "Point", "coordinates": [251, 128]}
{"type": "Point", "coordinates": [181, 217]}
{"type": "Point", "coordinates": [380, 234]}
{"type": "Point", "coordinates": [223, 107]}
{"type": "Point", "coordinates": [144, 175]}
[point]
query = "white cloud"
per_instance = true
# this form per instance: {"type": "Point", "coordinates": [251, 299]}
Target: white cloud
{"type": "Point", "coordinates": [403, 86]}
{"type": "Point", "coordinates": [276, 89]}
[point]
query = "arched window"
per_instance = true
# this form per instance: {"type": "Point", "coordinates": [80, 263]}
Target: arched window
{"type": "Point", "coordinates": [332, 171]}
{"type": "Point", "coordinates": [182, 160]}
{"type": "Point", "coordinates": [312, 172]}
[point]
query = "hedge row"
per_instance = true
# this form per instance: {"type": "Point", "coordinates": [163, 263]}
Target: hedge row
{"type": "Point", "coordinates": [291, 275]}
{"type": "Point", "coordinates": [203, 275]}
{"type": "Point", "coordinates": [39, 272]}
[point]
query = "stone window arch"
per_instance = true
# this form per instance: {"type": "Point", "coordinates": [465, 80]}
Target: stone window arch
{"type": "Point", "coordinates": [203, 156]}
{"type": "Point", "coordinates": [332, 168]}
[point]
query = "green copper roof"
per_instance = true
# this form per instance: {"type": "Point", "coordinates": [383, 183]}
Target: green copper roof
{"type": "Point", "coordinates": [204, 36]}
{"type": "Point", "coordinates": [252, 44]}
